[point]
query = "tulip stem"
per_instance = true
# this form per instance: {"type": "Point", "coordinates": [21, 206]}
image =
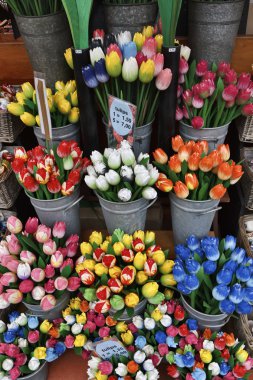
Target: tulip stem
{"type": "Point", "coordinates": [153, 108]}
{"type": "Point", "coordinates": [101, 102]}
{"type": "Point", "coordinates": [144, 108]}
{"type": "Point", "coordinates": [139, 104]}
{"type": "Point", "coordinates": [117, 87]}
{"type": "Point", "coordinates": [218, 116]}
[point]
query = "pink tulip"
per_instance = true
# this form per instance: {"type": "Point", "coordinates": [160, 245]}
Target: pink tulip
{"type": "Point", "coordinates": [69, 341]}
{"type": "Point", "coordinates": [38, 274]}
{"type": "Point", "coordinates": [61, 283]}
{"type": "Point", "coordinates": [63, 251]}
{"type": "Point", "coordinates": [72, 249]}
{"type": "Point", "coordinates": [4, 251]}
{"type": "Point", "coordinates": [163, 349]}
{"type": "Point", "coordinates": [91, 326]}
{"type": "Point", "coordinates": [230, 104]}
{"type": "Point", "coordinates": [80, 260]}
{"type": "Point", "coordinates": [26, 286]}
{"type": "Point", "coordinates": [209, 75]}
{"type": "Point", "coordinates": [51, 342]}
{"type": "Point", "coordinates": [15, 373]}
{"type": "Point", "coordinates": [5, 259]}
{"type": "Point", "coordinates": [210, 84]}
{"type": "Point", "coordinates": [100, 320]}
{"type": "Point", "coordinates": [140, 57]}
{"type": "Point", "coordinates": [183, 66]}
{"type": "Point", "coordinates": [14, 225]}
{"type": "Point", "coordinates": [181, 79]}
{"type": "Point", "coordinates": [230, 77]}
{"type": "Point", "coordinates": [149, 47]}
{"type": "Point", "coordinates": [20, 359]}
{"type": "Point", "coordinates": [201, 68]}
{"type": "Point", "coordinates": [8, 278]}
{"type": "Point", "coordinates": [243, 97]}
{"type": "Point", "coordinates": [38, 293]}
{"type": "Point", "coordinates": [59, 230]}
{"type": "Point", "coordinates": [229, 376]}
{"type": "Point", "coordinates": [49, 248]}
{"type": "Point", "coordinates": [13, 244]}
{"type": "Point", "coordinates": [243, 81]}
{"type": "Point", "coordinates": [114, 47]}
{"type": "Point", "coordinates": [203, 89]}
{"type": "Point", "coordinates": [163, 80]}
{"type": "Point", "coordinates": [73, 284]}
{"type": "Point", "coordinates": [187, 97]}
{"type": "Point", "coordinates": [179, 113]}
{"type": "Point", "coordinates": [248, 365]}
{"type": "Point", "coordinates": [1, 288]}
{"type": "Point", "coordinates": [4, 303]}
{"type": "Point", "coordinates": [72, 239]}
{"type": "Point", "coordinates": [56, 260]}
{"type": "Point", "coordinates": [189, 377]}
{"type": "Point", "coordinates": [28, 257]}
{"type": "Point", "coordinates": [43, 234]}
{"type": "Point", "coordinates": [33, 336]}
{"type": "Point", "coordinates": [197, 122]}
{"type": "Point", "coordinates": [31, 225]}
{"type": "Point", "coordinates": [179, 91]}
{"type": "Point", "coordinates": [67, 262]}
{"type": "Point", "coordinates": [159, 63]}
{"type": "Point", "coordinates": [49, 271]}
{"type": "Point", "coordinates": [49, 286]}
{"type": "Point", "coordinates": [103, 332]}
{"type": "Point", "coordinates": [105, 367]}
{"type": "Point", "coordinates": [185, 112]}
{"type": "Point", "coordinates": [223, 68]}
{"type": "Point", "coordinates": [12, 265]}
{"type": "Point", "coordinates": [247, 110]}
{"type": "Point", "coordinates": [229, 93]}
{"type": "Point", "coordinates": [14, 296]}
{"type": "Point", "coordinates": [48, 302]}
{"type": "Point", "coordinates": [197, 102]}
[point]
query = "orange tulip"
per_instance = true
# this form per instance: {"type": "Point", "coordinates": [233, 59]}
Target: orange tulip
{"type": "Point", "coordinates": [164, 184]}
{"type": "Point", "coordinates": [160, 156]}
{"type": "Point", "coordinates": [132, 367]}
{"type": "Point", "coordinates": [177, 142]}
{"type": "Point", "coordinates": [224, 151]}
{"type": "Point", "coordinates": [84, 306]}
{"type": "Point", "coordinates": [207, 333]}
{"type": "Point", "coordinates": [193, 162]}
{"type": "Point", "coordinates": [230, 339]}
{"type": "Point", "coordinates": [190, 145]}
{"type": "Point", "coordinates": [175, 164]}
{"type": "Point", "coordinates": [181, 190]}
{"type": "Point", "coordinates": [206, 164]}
{"type": "Point", "coordinates": [224, 171]}
{"type": "Point", "coordinates": [54, 332]}
{"type": "Point", "coordinates": [204, 145]}
{"type": "Point", "coordinates": [198, 148]}
{"type": "Point", "coordinates": [217, 192]}
{"type": "Point", "coordinates": [191, 181]}
{"type": "Point", "coordinates": [236, 174]}
{"type": "Point", "coordinates": [216, 158]}
{"type": "Point", "coordinates": [125, 377]}
{"type": "Point", "coordinates": [183, 153]}
{"type": "Point", "coordinates": [110, 321]}
{"type": "Point", "coordinates": [200, 365]}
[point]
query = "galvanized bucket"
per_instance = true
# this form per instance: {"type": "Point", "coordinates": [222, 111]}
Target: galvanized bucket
{"type": "Point", "coordinates": [68, 132]}
{"type": "Point", "coordinates": [52, 314]}
{"type": "Point", "coordinates": [65, 209]}
{"type": "Point", "coordinates": [40, 374]}
{"type": "Point", "coordinates": [46, 38]}
{"type": "Point", "coordinates": [214, 322]}
{"type": "Point", "coordinates": [191, 217]}
{"type": "Point", "coordinates": [128, 216]}
{"type": "Point", "coordinates": [214, 136]}
{"type": "Point", "coordinates": [213, 26]}
{"type": "Point", "coordinates": [138, 310]}
{"type": "Point", "coordinates": [132, 17]}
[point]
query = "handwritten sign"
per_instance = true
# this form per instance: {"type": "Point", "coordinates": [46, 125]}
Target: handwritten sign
{"type": "Point", "coordinates": [43, 108]}
{"type": "Point", "coordinates": [107, 348]}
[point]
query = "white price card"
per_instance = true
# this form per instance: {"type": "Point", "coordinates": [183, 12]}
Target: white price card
{"type": "Point", "coordinates": [43, 108]}
{"type": "Point", "coordinates": [107, 348]}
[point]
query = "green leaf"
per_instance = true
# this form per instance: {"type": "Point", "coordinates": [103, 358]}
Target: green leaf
{"type": "Point", "coordinates": [208, 282]}
{"type": "Point", "coordinates": [128, 186]}
{"type": "Point", "coordinates": [123, 359]}
{"type": "Point", "coordinates": [130, 311]}
{"type": "Point", "coordinates": [25, 370]}
{"type": "Point", "coordinates": [172, 175]}
{"type": "Point", "coordinates": [191, 73]}
{"type": "Point", "coordinates": [41, 263]}
{"type": "Point", "coordinates": [214, 67]}
{"type": "Point", "coordinates": [222, 246]}
{"type": "Point", "coordinates": [202, 195]}
{"type": "Point", "coordinates": [184, 168]}
{"type": "Point", "coordinates": [3, 269]}
{"type": "Point", "coordinates": [78, 350]}
{"type": "Point", "coordinates": [66, 272]}
{"type": "Point", "coordinates": [118, 314]}
{"type": "Point", "coordinates": [104, 279]}
{"type": "Point", "coordinates": [117, 235]}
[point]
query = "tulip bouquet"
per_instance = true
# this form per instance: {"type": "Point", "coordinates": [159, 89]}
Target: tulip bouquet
{"type": "Point", "coordinates": [26, 344]}
{"type": "Point", "coordinates": [34, 8]}
{"type": "Point", "coordinates": [49, 173]}
{"type": "Point", "coordinates": [37, 264]}
{"type": "Point", "coordinates": [216, 276]}
{"type": "Point", "coordinates": [193, 173]}
{"type": "Point", "coordinates": [62, 105]}
{"type": "Point", "coordinates": [117, 177]}
{"type": "Point", "coordinates": [119, 272]}
{"type": "Point", "coordinates": [131, 70]}
{"type": "Point", "coordinates": [211, 356]}
{"type": "Point", "coordinates": [211, 99]}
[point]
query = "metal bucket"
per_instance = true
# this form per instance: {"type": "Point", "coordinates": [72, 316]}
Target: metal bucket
{"type": "Point", "coordinates": [68, 132]}
{"type": "Point", "coordinates": [129, 216]}
{"type": "Point", "coordinates": [46, 38]}
{"type": "Point", "coordinates": [191, 217]}
{"type": "Point", "coordinates": [214, 136]}
{"type": "Point", "coordinates": [214, 322]}
{"type": "Point", "coordinates": [132, 17]}
{"type": "Point", "coordinates": [40, 374]}
{"type": "Point", "coordinates": [52, 314]}
{"type": "Point", "coordinates": [138, 310]}
{"type": "Point", "coordinates": [213, 26]}
{"type": "Point", "coordinates": [65, 209]}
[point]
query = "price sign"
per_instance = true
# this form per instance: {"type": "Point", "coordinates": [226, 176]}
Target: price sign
{"type": "Point", "coordinates": [107, 348]}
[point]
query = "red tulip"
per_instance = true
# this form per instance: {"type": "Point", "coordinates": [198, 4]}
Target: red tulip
{"type": "Point", "coordinates": [229, 93]}
{"type": "Point", "coordinates": [99, 34]}
{"type": "Point", "coordinates": [103, 292]}
{"type": "Point", "coordinates": [138, 245]}
{"type": "Point", "coordinates": [38, 152]}
{"type": "Point", "coordinates": [73, 284]}
{"type": "Point", "coordinates": [64, 149]}
{"type": "Point", "coordinates": [187, 97]}
{"type": "Point", "coordinates": [42, 176]}
{"type": "Point", "coordinates": [197, 122]}
{"type": "Point", "coordinates": [150, 267]}
{"type": "Point", "coordinates": [31, 162]}
{"type": "Point", "coordinates": [21, 153]}
{"type": "Point", "coordinates": [209, 75]}
{"type": "Point", "coordinates": [201, 68]}
{"type": "Point", "coordinates": [17, 165]}
{"type": "Point", "coordinates": [243, 81]}
{"type": "Point", "coordinates": [98, 255]}
{"type": "Point", "coordinates": [204, 89]}
{"type": "Point", "coordinates": [23, 174]}
{"type": "Point", "coordinates": [54, 185]}
{"type": "Point", "coordinates": [197, 102]}
{"type": "Point", "coordinates": [67, 188]}
{"type": "Point", "coordinates": [223, 68]}
{"type": "Point", "coordinates": [247, 110]}
{"type": "Point", "coordinates": [102, 306]}
{"type": "Point", "coordinates": [31, 184]}
{"type": "Point", "coordinates": [127, 275]}
{"type": "Point", "coordinates": [115, 285]}
{"type": "Point", "coordinates": [31, 225]}
{"type": "Point", "coordinates": [114, 47]}
{"type": "Point", "coordinates": [74, 176]}
{"type": "Point", "coordinates": [243, 97]}
{"type": "Point", "coordinates": [230, 77]}
{"type": "Point", "coordinates": [87, 277]}
{"type": "Point", "coordinates": [127, 255]}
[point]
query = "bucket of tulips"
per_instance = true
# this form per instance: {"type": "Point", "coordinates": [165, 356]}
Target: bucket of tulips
{"type": "Point", "coordinates": [120, 274]}
{"type": "Point", "coordinates": [63, 106]}
{"type": "Point", "coordinates": [215, 279]}
{"type": "Point", "coordinates": [37, 267]}
{"type": "Point", "coordinates": [211, 100]}
{"type": "Point", "coordinates": [196, 181]}
{"type": "Point", "coordinates": [123, 186]}
{"type": "Point", "coordinates": [51, 179]}
{"type": "Point", "coordinates": [132, 70]}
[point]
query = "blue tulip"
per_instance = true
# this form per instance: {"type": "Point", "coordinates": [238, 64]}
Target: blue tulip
{"type": "Point", "coordinates": [191, 282]}
{"type": "Point", "coordinates": [97, 339]}
{"type": "Point", "coordinates": [236, 293]}
{"type": "Point", "coordinates": [227, 306]}
{"type": "Point", "coordinates": [21, 332]}
{"type": "Point", "coordinates": [188, 359]}
{"type": "Point", "coordinates": [179, 360]}
{"type": "Point", "coordinates": [198, 374]}
{"type": "Point", "coordinates": [243, 273]}
{"type": "Point", "coordinates": [182, 289]}
{"type": "Point", "coordinates": [248, 294]}
{"type": "Point", "coordinates": [224, 368]}
{"type": "Point", "coordinates": [129, 50]}
{"type": "Point", "coordinates": [212, 252]}
{"type": "Point", "coordinates": [160, 337]}
{"type": "Point", "coordinates": [100, 71]}
{"type": "Point", "coordinates": [51, 355]}
{"type": "Point", "coordinates": [178, 272]}
{"type": "Point", "coordinates": [220, 292]}
{"type": "Point", "coordinates": [209, 266]}
{"type": "Point", "coordinates": [192, 324]}
{"type": "Point", "coordinates": [182, 251]}
{"type": "Point", "coordinates": [170, 341]}
{"type": "Point", "coordinates": [192, 242]}
{"type": "Point", "coordinates": [192, 266]}
{"type": "Point", "coordinates": [209, 240]}
{"type": "Point", "coordinates": [238, 255]}
{"type": "Point", "coordinates": [59, 348]}
{"type": "Point", "coordinates": [244, 308]}
{"type": "Point", "coordinates": [230, 242]}
{"type": "Point", "coordinates": [140, 342]}
{"type": "Point", "coordinates": [89, 76]}
{"type": "Point", "coordinates": [231, 265]}
{"type": "Point", "coordinates": [9, 336]}
{"type": "Point", "coordinates": [250, 282]}
{"type": "Point", "coordinates": [224, 276]}
{"type": "Point", "coordinates": [33, 322]}
{"type": "Point", "coordinates": [13, 327]}
{"type": "Point", "coordinates": [13, 316]}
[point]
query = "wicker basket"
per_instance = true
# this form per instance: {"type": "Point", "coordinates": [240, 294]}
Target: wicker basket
{"type": "Point", "coordinates": [9, 189]}
{"type": "Point", "coordinates": [10, 127]}
{"type": "Point", "coordinates": [243, 237]}
{"type": "Point", "coordinates": [245, 129]}
{"type": "Point", "coordinates": [4, 215]}
{"type": "Point", "coordinates": [247, 325]}
{"type": "Point", "coordinates": [246, 154]}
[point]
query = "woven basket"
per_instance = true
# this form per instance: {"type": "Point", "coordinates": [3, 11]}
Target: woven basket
{"type": "Point", "coordinates": [10, 127]}
{"type": "Point", "coordinates": [9, 189]}
{"type": "Point", "coordinates": [247, 326]}
{"type": "Point", "coordinates": [245, 129]}
{"type": "Point", "coordinates": [243, 237]}
{"type": "Point", "coordinates": [246, 154]}
{"type": "Point", "coordinates": [5, 214]}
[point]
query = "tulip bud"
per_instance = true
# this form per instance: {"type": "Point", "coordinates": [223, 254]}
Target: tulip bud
{"type": "Point", "coordinates": [27, 89]}
{"type": "Point", "coordinates": [56, 259]}
{"type": "Point", "coordinates": [59, 230]}
{"type": "Point", "coordinates": [13, 296]}
{"type": "Point", "coordinates": [48, 302]}
{"type": "Point", "coordinates": [102, 307]}
{"type": "Point", "coordinates": [150, 289]}
{"type": "Point", "coordinates": [130, 70]}
{"type": "Point", "coordinates": [61, 283]}
{"type": "Point", "coordinates": [114, 160]}
{"type": "Point", "coordinates": [113, 64]}
{"type": "Point", "coordinates": [74, 115]}
{"type": "Point", "coordinates": [117, 302]}
{"type": "Point", "coordinates": [128, 275]}
{"type": "Point", "coordinates": [20, 96]}
{"type": "Point", "coordinates": [38, 293]}
{"type": "Point", "coordinates": [139, 260]}
{"type": "Point", "coordinates": [28, 119]}
{"type": "Point", "coordinates": [64, 106]}
{"type": "Point", "coordinates": [149, 193]}
{"type": "Point", "coordinates": [23, 271]}
{"type": "Point", "coordinates": [101, 183]}
{"type": "Point", "coordinates": [147, 71]}
{"type": "Point", "coordinates": [16, 109]}
{"type": "Point", "coordinates": [112, 177]}
{"type": "Point", "coordinates": [115, 285]}
{"type": "Point", "coordinates": [69, 58]}
{"type": "Point", "coordinates": [103, 292]}
{"type": "Point", "coordinates": [150, 267]}
{"type": "Point", "coordinates": [124, 195]}
{"type": "Point", "coordinates": [14, 225]}
{"type": "Point", "coordinates": [87, 277]}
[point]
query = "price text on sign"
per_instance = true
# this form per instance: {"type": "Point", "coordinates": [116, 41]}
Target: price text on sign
{"type": "Point", "coordinates": [121, 116]}
{"type": "Point", "coordinates": [111, 347]}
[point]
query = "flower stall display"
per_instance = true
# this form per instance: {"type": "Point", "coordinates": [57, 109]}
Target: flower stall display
{"type": "Point", "coordinates": [199, 180]}
{"type": "Point", "coordinates": [37, 266]}
{"type": "Point", "coordinates": [211, 100]}
{"type": "Point", "coordinates": [123, 186]}
{"type": "Point", "coordinates": [215, 279]}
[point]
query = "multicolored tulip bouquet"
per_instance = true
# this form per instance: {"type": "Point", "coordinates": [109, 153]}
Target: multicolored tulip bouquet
{"type": "Point", "coordinates": [37, 264]}
{"type": "Point", "coordinates": [62, 105]}
{"type": "Point", "coordinates": [194, 174]}
{"type": "Point", "coordinates": [211, 99]}
{"type": "Point", "coordinates": [129, 69]}
{"type": "Point", "coordinates": [50, 173]}
{"type": "Point", "coordinates": [215, 276]}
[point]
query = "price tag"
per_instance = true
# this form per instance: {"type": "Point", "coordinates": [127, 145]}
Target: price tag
{"type": "Point", "coordinates": [107, 348]}
{"type": "Point", "coordinates": [43, 108]}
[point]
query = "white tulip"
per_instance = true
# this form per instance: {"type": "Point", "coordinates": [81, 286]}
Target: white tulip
{"type": "Point", "coordinates": [149, 193]}
{"type": "Point", "coordinates": [127, 173]}
{"type": "Point", "coordinates": [96, 54]}
{"type": "Point", "coordinates": [130, 70]}
{"type": "Point", "coordinates": [114, 160]}
{"type": "Point", "coordinates": [76, 328]}
{"type": "Point", "coordinates": [153, 375]}
{"type": "Point", "coordinates": [92, 305]}
{"type": "Point", "coordinates": [149, 323]}
{"type": "Point", "coordinates": [3, 302]}
{"type": "Point", "coordinates": [138, 322]}
{"type": "Point", "coordinates": [148, 349]}
{"type": "Point", "coordinates": [142, 179]}
{"type": "Point", "coordinates": [7, 364]}
{"type": "Point", "coordinates": [100, 168]}
{"type": "Point", "coordinates": [185, 52]}
{"type": "Point", "coordinates": [4, 249]}
{"type": "Point", "coordinates": [91, 373]}
{"type": "Point", "coordinates": [101, 183]}
{"type": "Point", "coordinates": [6, 378]}
{"type": "Point", "coordinates": [140, 376]}
{"type": "Point", "coordinates": [107, 152]}
{"type": "Point", "coordinates": [138, 169]}
{"type": "Point", "coordinates": [208, 345]}
{"type": "Point", "coordinates": [88, 346]}
{"type": "Point", "coordinates": [22, 343]}
{"type": "Point", "coordinates": [127, 156]}
{"type": "Point", "coordinates": [33, 364]}
{"type": "Point", "coordinates": [2, 375]}
{"type": "Point", "coordinates": [139, 357]}
{"type": "Point", "coordinates": [94, 362]}
{"type": "Point", "coordinates": [124, 37]}
{"type": "Point", "coordinates": [142, 157]}
{"type": "Point", "coordinates": [154, 174]}
{"type": "Point", "coordinates": [38, 293]}
{"type": "Point", "coordinates": [70, 319]}
{"type": "Point", "coordinates": [91, 171]}
{"type": "Point", "coordinates": [22, 320]}
{"type": "Point", "coordinates": [166, 320]}
{"type": "Point", "coordinates": [13, 326]}
{"type": "Point", "coordinates": [125, 195]}
{"type": "Point", "coordinates": [112, 177]}
{"type": "Point", "coordinates": [121, 370]}
{"type": "Point", "coordinates": [96, 157]}
{"type": "Point", "coordinates": [125, 145]}
{"type": "Point", "coordinates": [162, 308]}
{"type": "Point", "coordinates": [23, 271]}
{"type": "Point", "coordinates": [215, 368]}
{"type": "Point", "coordinates": [2, 327]}
{"type": "Point", "coordinates": [90, 181]}
{"type": "Point", "coordinates": [148, 365]}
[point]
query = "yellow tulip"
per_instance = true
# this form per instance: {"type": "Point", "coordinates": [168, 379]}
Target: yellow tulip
{"type": "Point", "coordinates": [74, 115]}
{"type": "Point", "coordinates": [141, 277]}
{"type": "Point", "coordinates": [58, 96]}
{"type": "Point", "coordinates": [66, 311]}
{"type": "Point", "coordinates": [70, 87]}
{"type": "Point", "coordinates": [50, 101]}
{"type": "Point", "coordinates": [15, 109]}
{"type": "Point", "coordinates": [159, 41]}
{"type": "Point", "coordinates": [28, 119]}
{"type": "Point", "coordinates": [118, 248]}
{"type": "Point", "coordinates": [49, 92]}
{"type": "Point", "coordinates": [20, 96]}
{"type": "Point", "coordinates": [74, 99]}
{"type": "Point", "coordinates": [64, 106]}
{"type": "Point", "coordinates": [139, 40]}
{"type": "Point", "coordinates": [166, 267]}
{"type": "Point", "coordinates": [81, 318]}
{"type": "Point", "coordinates": [34, 97]}
{"type": "Point", "coordinates": [80, 340]}
{"type": "Point", "coordinates": [127, 240]}
{"type": "Point", "coordinates": [127, 337]}
{"type": "Point", "coordinates": [114, 272]}
{"type": "Point", "coordinates": [100, 376]}
{"type": "Point", "coordinates": [104, 245]}
{"type": "Point", "coordinates": [156, 315]}
{"type": "Point", "coordinates": [100, 269]}
{"type": "Point", "coordinates": [80, 267]}
{"type": "Point", "coordinates": [27, 89]}
{"type": "Point", "coordinates": [168, 280]}
{"type": "Point", "coordinates": [37, 118]}
{"type": "Point", "coordinates": [205, 356]}
{"type": "Point", "coordinates": [139, 260]}
{"type": "Point", "coordinates": [89, 264]}
{"type": "Point", "coordinates": [45, 326]}
{"type": "Point", "coordinates": [75, 303]}
{"type": "Point", "coordinates": [159, 257]}
{"type": "Point", "coordinates": [40, 353]}
{"type": "Point", "coordinates": [121, 327]}
{"type": "Point", "coordinates": [59, 85]}
{"type": "Point", "coordinates": [147, 71]}
{"type": "Point", "coordinates": [139, 235]}
{"type": "Point", "coordinates": [168, 294]}
{"type": "Point", "coordinates": [149, 237]}
{"type": "Point", "coordinates": [96, 237]}
{"type": "Point", "coordinates": [241, 355]}
{"type": "Point", "coordinates": [150, 289]}
{"type": "Point", "coordinates": [113, 64]}
{"type": "Point", "coordinates": [86, 248]}
{"type": "Point", "coordinates": [148, 31]}
{"type": "Point", "coordinates": [69, 58]}
{"type": "Point", "coordinates": [131, 300]}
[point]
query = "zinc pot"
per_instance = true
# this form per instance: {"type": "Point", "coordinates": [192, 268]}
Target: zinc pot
{"type": "Point", "coordinates": [65, 209]}
{"type": "Point", "coordinates": [128, 216]}
{"type": "Point", "coordinates": [132, 17]}
{"type": "Point", "coordinates": [52, 314]}
{"type": "Point", "coordinates": [214, 136]}
{"type": "Point", "coordinates": [214, 322]}
{"type": "Point", "coordinates": [191, 217]}
{"type": "Point", "coordinates": [40, 374]}
{"type": "Point", "coordinates": [213, 27]}
{"type": "Point", "coordinates": [138, 310]}
{"type": "Point", "coordinates": [46, 38]}
{"type": "Point", "coordinates": [68, 132]}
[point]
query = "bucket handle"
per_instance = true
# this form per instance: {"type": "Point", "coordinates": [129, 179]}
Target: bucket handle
{"type": "Point", "coordinates": [130, 212]}
{"type": "Point", "coordinates": [199, 212]}
{"type": "Point", "coordinates": [73, 204]}
{"type": "Point", "coordinates": [215, 140]}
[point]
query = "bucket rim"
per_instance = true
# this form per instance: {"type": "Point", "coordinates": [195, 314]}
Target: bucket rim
{"type": "Point", "coordinates": [42, 16]}
{"type": "Point", "coordinates": [217, 2]}
{"type": "Point", "coordinates": [203, 314]}
{"type": "Point", "coordinates": [36, 127]}
{"type": "Point", "coordinates": [41, 367]}
{"type": "Point", "coordinates": [120, 203]}
{"type": "Point", "coordinates": [192, 201]}
{"type": "Point", "coordinates": [204, 129]}
{"type": "Point", "coordinates": [130, 5]}
{"type": "Point", "coordinates": [59, 300]}
{"type": "Point", "coordinates": [54, 200]}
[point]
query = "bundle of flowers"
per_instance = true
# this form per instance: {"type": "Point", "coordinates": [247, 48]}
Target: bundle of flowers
{"type": "Point", "coordinates": [214, 356]}
{"type": "Point", "coordinates": [62, 105]}
{"type": "Point", "coordinates": [117, 177]}
{"type": "Point", "coordinates": [211, 99]}
{"type": "Point", "coordinates": [49, 173]}
{"type": "Point", "coordinates": [194, 174]}
{"type": "Point", "coordinates": [7, 95]}
{"type": "Point", "coordinates": [37, 263]}
{"type": "Point", "coordinates": [215, 276]}
{"type": "Point", "coordinates": [26, 344]}
{"type": "Point", "coordinates": [119, 272]}
{"type": "Point", "coordinates": [130, 69]}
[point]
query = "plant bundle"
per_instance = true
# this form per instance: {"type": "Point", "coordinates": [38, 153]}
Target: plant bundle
{"type": "Point", "coordinates": [169, 12]}
{"type": "Point", "coordinates": [62, 105]}
{"type": "Point", "coordinates": [34, 7]}
{"type": "Point", "coordinates": [37, 263]}
{"type": "Point", "coordinates": [194, 174]}
{"type": "Point", "coordinates": [128, 2]}
{"type": "Point", "coordinates": [211, 99]}
{"type": "Point", "coordinates": [131, 70]}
